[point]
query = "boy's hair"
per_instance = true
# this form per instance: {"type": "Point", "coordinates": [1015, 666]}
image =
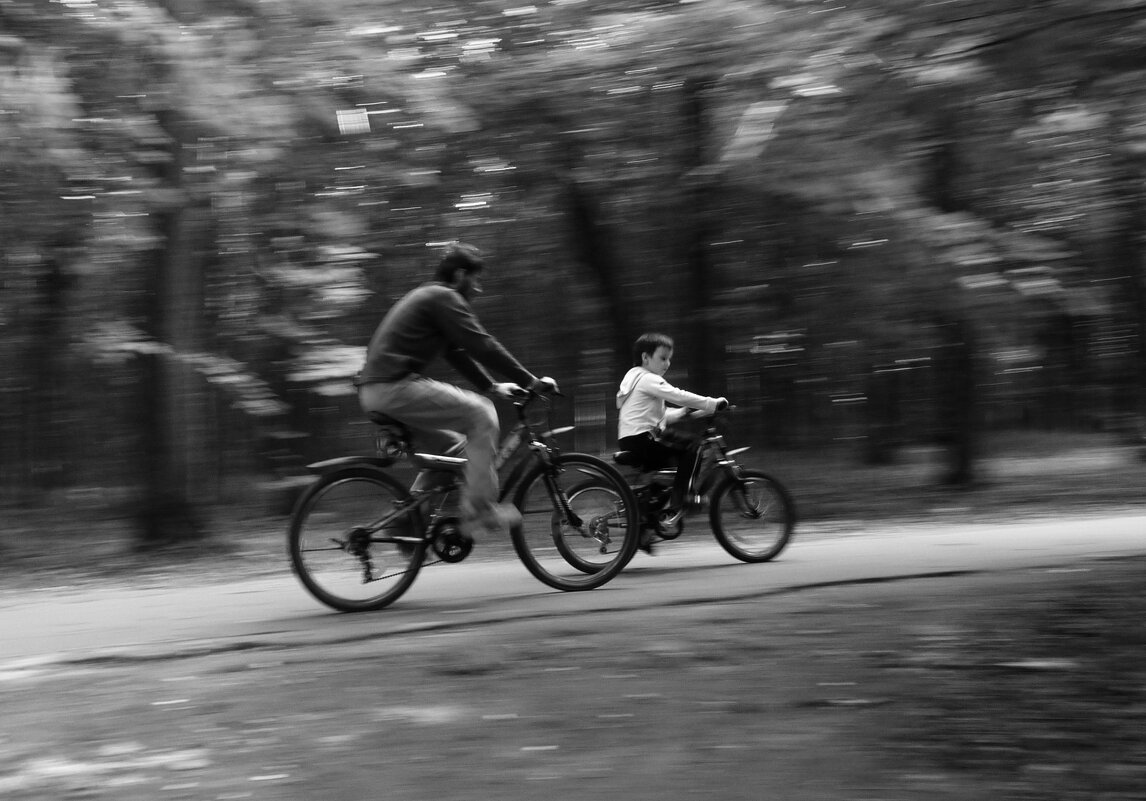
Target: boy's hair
{"type": "Point", "coordinates": [648, 343]}
{"type": "Point", "coordinates": [455, 256]}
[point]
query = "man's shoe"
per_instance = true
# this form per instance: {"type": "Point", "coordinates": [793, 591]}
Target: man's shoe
{"type": "Point", "coordinates": [505, 516]}
{"type": "Point", "coordinates": [499, 518]}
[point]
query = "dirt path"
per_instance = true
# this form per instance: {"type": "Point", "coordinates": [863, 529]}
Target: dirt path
{"type": "Point", "coordinates": [1018, 685]}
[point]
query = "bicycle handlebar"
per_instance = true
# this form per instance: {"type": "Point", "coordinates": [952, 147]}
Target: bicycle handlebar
{"type": "Point", "coordinates": [723, 406]}
{"type": "Point", "coordinates": [522, 394]}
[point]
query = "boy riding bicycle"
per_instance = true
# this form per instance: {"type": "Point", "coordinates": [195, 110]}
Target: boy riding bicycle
{"type": "Point", "coordinates": [644, 417]}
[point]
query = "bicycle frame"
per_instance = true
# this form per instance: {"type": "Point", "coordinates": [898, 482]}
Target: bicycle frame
{"type": "Point", "coordinates": [569, 538]}
{"type": "Point", "coordinates": [712, 453]}
{"type": "Point", "coordinates": [713, 444]}
{"type": "Point", "coordinates": [521, 433]}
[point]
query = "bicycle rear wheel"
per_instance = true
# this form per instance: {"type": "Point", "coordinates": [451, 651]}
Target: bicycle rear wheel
{"type": "Point", "coordinates": [342, 547]}
{"type": "Point", "coordinates": [580, 524]}
{"type": "Point", "coordinates": [752, 516]}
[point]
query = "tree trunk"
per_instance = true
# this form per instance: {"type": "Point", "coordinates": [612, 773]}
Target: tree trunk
{"type": "Point", "coordinates": [172, 402]}
{"type": "Point", "coordinates": [882, 414]}
{"type": "Point", "coordinates": [47, 434]}
{"type": "Point", "coordinates": [1130, 262]}
{"type": "Point", "coordinates": [705, 359]}
{"type": "Point", "coordinates": [1138, 298]}
{"type": "Point", "coordinates": [593, 246]}
{"type": "Point", "coordinates": [956, 354]}
{"type": "Point", "coordinates": [957, 384]}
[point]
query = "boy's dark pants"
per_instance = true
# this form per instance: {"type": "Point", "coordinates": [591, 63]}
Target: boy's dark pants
{"type": "Point", "coordinates": [656, 454]}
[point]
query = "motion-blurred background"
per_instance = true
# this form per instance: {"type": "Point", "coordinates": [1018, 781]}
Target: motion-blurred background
{"type": "Point", "coordinates": [883, 228]}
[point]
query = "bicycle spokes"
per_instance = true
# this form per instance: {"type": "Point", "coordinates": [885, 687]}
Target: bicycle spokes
{"type": "Point", "coordinates": [751, 508]}
{"type": "Point", "coordinates": [343, 560]}
{"type": "Point", "coordinates": [752, 516]}
{"type": "Point", "coordinates": [357, 544]}
{"type": "Point", "coordinates": [600, 528]}
{"type": "Point", "coordinates": [579, 522]}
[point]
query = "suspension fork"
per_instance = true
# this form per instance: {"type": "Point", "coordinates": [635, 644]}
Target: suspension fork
{"type": "Point", "coordinates": [522, 432]}
{"type": "Point", "coordinates": [713, 452]}
{"type": "Point", "coordinates": [557, 494]}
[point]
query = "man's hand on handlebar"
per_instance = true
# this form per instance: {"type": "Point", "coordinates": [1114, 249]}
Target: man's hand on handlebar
{"type": "Point", "coordinates": [545, 386]}
{"type": "Point", "coordinates": [510, 391]}
{"type": "Point", "coordinates": [507, 390]}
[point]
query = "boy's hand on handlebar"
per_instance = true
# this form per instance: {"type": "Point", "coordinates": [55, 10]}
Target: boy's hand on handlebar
{"type": "Point", "coordinates": [721, 405]}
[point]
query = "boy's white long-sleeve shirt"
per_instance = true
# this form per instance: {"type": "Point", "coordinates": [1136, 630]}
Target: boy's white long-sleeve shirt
{"type": "Point", "coordinates": [642, 399]}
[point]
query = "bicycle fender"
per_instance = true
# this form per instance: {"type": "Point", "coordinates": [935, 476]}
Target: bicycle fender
{"type": "Point", "coordinates": [328, 465]}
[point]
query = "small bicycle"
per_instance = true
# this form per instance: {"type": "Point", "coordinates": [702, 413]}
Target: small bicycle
{"type": "Point", "coordinates": [751, 513]}
{"type": "Point", "coordinates": [358, 537]}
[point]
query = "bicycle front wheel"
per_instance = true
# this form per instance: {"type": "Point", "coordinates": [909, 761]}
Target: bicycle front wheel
{"type": "Point", "coordinates": [588, 494]}
{"type": "Point", "coordinates": [580, 524]}
{"type": "Point", "coordinates": [348, 547]}
{"type": "Point", "coordinates": [752, 516]}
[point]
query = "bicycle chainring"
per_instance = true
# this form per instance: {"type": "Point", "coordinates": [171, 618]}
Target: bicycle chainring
{"type": "Point", "coordinates": [450, 543]}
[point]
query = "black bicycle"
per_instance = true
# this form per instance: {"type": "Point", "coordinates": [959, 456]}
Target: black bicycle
{"type": "Point", "coordinates": [751, 513]}
{"type": "Point", "coordinates": [358, 537]}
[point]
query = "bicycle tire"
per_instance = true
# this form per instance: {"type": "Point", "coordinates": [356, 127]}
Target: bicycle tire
{"type": "Point", "coordinates": [330, 552]}
{"type": "Point", "coordinates": [575, 492]}
{"type": "Point", "coordinates": [755, 527]}
{"type": "Point", "coordinates": [545, 541]}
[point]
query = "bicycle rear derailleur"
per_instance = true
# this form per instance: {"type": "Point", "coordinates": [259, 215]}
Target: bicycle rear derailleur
{"type": "Point", "coordinates": [449, 542]}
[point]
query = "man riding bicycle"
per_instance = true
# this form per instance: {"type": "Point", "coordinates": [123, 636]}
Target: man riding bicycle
{"type": "Point", "coordinates": [432, 320]}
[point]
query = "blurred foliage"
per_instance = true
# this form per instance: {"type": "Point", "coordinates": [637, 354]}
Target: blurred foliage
{"type": "Point", "coordinates": [891, 219]}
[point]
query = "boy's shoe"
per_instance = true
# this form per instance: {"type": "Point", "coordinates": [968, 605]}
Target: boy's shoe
{"type": "Point", "coordinates": [649, 539]}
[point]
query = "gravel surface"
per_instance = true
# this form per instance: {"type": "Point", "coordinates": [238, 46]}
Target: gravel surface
{"type": "Point", "coordinates": [1018, 685]}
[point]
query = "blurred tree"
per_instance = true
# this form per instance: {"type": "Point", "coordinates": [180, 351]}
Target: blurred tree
{"type": "Point", "coordinates": [222, 197]}
{"type": "Point", "coordinates": [41, 228]}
